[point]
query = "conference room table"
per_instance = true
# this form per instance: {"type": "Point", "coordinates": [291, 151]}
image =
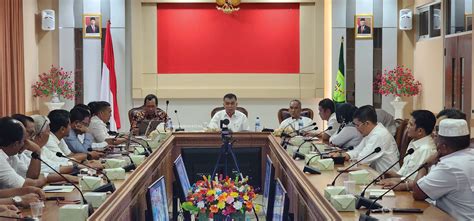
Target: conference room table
{"type": "Point", "coordinates": [305, 191]}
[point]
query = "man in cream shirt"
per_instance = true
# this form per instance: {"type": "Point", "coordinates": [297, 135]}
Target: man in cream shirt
{"type": "Point", "coordinates": [450, 180]}
{"type": "Point", "coordinates": [237, 120]}
{"type": "Point", "coordinates": [375, 135]}
{"type": "Point", "coordinates": [101, 114]}
{"type": "Point", "coordinates": [327, 111]}
{"type": "Point", "coordinates": [296, 121]}
{"type": "Point", "coordinates": [420, 126]}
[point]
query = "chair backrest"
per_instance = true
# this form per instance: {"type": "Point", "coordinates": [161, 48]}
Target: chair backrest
{"type": "Point", "coordinates": [402, 138]}
{"type": "Point", "coordinates": [285, 113]}
{"type": "Point", "coordinates": [241, 109]}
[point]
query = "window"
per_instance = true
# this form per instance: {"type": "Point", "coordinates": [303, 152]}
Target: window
{"type": "Point", "coordinates": [429, 21]}
{"type": "Point", "coordinates": [458, 16]}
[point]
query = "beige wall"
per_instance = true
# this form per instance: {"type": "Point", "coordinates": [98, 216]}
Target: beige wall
{"type": "Point", "coordinates": [41, 48]}
{"type": "Point", "coordinates": [308, 84]}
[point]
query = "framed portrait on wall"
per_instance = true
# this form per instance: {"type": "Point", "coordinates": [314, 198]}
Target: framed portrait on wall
{"type": "Point", "coordinates": [91, 26]}
{"type": "Point", "coordinates": [467, 22]}
{"type": "Point", "coordinates": [363, 25]}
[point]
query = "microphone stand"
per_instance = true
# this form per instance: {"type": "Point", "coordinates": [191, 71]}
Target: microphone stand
{"type": "Point", "coordinates": [166, 111]}
{"type": "Point", "coordinates": [104, 188]}
{"type": "Point", "coordinates": [297, 154]}
{"type": "Point", "coordinates": [131, 166]}
{"type": "Point", "coordinates": [366, 216]}
{"type": "Point", "coordinates": [90, 208]}
{"type": "Point", "coordinates": [179, 123]}
{"type": "Point", "coordinates": [378, 149]}
{"type": "Point", "coordinates": [362, 201]}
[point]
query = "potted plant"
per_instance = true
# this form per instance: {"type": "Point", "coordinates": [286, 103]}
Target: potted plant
{"type": "Point", "coordinates": [224, 199]}
{"type": "Point", "coordinates": [398, 82]}
{"type": "Point", "coordinates": [55, 83]}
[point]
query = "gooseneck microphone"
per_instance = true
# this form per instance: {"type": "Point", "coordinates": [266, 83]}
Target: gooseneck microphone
{"type": "Point", "coordinates": [361, 200]}
{"type": "Point", "coordinates": [367, 216]}
{"type": "Point", "coordinates": [378, 149]}
{"type": "Point", "coordinates": [104, 188]}
{"type": "Point", "coordinates": [147, 128]}
{"type": "Point", "coordinates": [35, 155]}
{"type": "Point", "coordinates": [297, 154]}
{"type": "Point", "coordinates": [166, 111]}
{"type": "Point", "coordinates": [144, 153]}
{"type": "Point", "coordinates": [329, 128]}
{"type": "Point", "coordinates": [179, 123]}
{"type": "Point", "coordinates": [131, 166]}
{"type": "Point", "coordinates": [147, 147]}
{"type": "Point", "coordinates": [312, 170]}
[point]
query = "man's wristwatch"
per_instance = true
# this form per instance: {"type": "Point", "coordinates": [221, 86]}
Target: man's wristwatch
{"type": "Point", "coordinates": [17, 200]}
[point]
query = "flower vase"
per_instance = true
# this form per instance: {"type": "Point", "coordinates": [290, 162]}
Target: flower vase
{"type": "Point", "coordinates": [398, 105]}
{"type": "Point", "coordinates": [55, 102]}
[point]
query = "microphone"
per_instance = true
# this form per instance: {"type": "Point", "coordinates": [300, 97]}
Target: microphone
{"type": "Point", "coordinates": [147, 147]}
{"type": "Point", "coordinates": [35, 155]}
{"type": "Point", "coordinates": [329, 128]}
{"type": "Point", "coordinates": [131, 166]}
{"type": "Point", "coordinates": [105, 188]}
{"type": "Point", "coordinates": [144, 153]}
{"type": "Point", "coordinates": [378, 149]}
{"type": "Point", "coordinates": [179, 124]}
{"type": "Point", "coordinates": [297, 154]}
{"type": "Point", "coordinates": [284, 135]}
{"type": "Point", "coordinates": [298, 131]}
{"type": "Point", "coordinates": [367, 216]}
{"type": "Point", "coordinates": [166, 111]}
{"type": "Point", "coordinates": [362, 201]}
{"type": "Point", "coordinates": [312, 170]}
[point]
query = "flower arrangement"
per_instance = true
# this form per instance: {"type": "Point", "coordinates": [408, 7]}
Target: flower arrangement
{"type": "Point", "coordinates": [56, 82]}
{"type": "Point", "coordinates": [225, 197]}
{"type": "Point", "coordinates": [398, 82]}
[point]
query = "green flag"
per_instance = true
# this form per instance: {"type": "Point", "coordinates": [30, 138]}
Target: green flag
{"type": "Point", "coordinates": [339, 95]}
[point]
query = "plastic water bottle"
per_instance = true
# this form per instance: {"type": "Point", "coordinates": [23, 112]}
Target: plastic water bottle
{"type": "Point", "coordinates": [169, 125]}
{"type": "Point", "coordinates": [300, 124]}
{"type": "Point", "coordinates": [257, 125]}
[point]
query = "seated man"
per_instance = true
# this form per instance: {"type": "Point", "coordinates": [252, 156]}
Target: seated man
{"type": "Point", "coordinates": [238, 120]}
{"type": "Point", "coordinates": [22, 162]}
{"type": "Point", "coordinates": [375, 135]}
{"type": "Point", "coordinates": [102, 112]}
{"type": "Point", "coordinates": [78, 140]}
{"type": "Point", "coordinates": [327, 111]}
{"type": "Point", "coordinates": [12, 142]}
{"type": "Point", "coordinates": [296, 121]}
{"type": "Point", "coordinates": [419, 128]}
{"type": "Point", "coordinates": [149, 111]}
{"type": "Point", "coordinates": [450, 180]}
{"type": "Point", "coordinates": [60, 126]}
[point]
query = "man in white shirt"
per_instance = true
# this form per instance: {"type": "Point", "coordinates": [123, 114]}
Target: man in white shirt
{"type": "Point", "coordinates": [296, 121]}
{"type": "Point", "coordinates": [60, 126]}
{"type": "Point", "coordinates": [420, 126]}
{"type": "Point", "coordinates": [102, 112]}
{"type": "Point", "coordinates": [450, 180]}
{"type": "Point", "coordinates": [12, 142]}
{"type": "Point", "coordinates": [327, 111]}
{"type": "Point", "coordinates": [375, 135]}
{"type": "Point", "coordinates": [237, 120]}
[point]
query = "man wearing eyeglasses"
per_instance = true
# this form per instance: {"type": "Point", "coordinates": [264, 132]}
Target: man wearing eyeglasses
{"type": "Point", "coordinates": [78, 140]}
{"type": "Point", "coordinates": [375, 135]}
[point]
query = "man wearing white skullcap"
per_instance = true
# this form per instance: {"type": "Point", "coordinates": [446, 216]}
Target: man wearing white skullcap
{"type": "Point", "coordinates": [450, 180]}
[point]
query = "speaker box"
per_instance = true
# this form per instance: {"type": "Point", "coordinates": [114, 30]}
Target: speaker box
{"type": "Point", "coordinates": [406, 19]}
{"type": "Point", "coordinates": [47, 20]}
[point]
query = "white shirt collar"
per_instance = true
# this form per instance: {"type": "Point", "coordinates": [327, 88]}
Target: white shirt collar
{"type": "Point", "coordinates": [95, 118]}
{"type": "Point", "coordinates": [55, 139]}
{"type": "Point", "coordinates": [459, 152]}
{"type": "Point", "coordinates": [421, 142]}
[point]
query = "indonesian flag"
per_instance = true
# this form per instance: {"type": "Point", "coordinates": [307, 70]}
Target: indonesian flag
{"type": "Point", "coordinates": [108, 85]}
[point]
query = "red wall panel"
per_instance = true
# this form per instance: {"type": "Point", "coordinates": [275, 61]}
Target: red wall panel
{"type": "Point", "coordinates": [197, 38]}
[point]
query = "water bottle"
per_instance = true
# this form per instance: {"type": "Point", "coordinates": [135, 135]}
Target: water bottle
{"type": "Point", "coordinates": [300, 124]}
{"type": "Point", "coordinates": [257, 125]}
{"type": "Point", "coordinates": [169, 125]}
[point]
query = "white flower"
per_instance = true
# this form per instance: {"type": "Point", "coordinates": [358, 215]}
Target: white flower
{"type": "Point", "coordinates": [200, 204]}
{"type": "Point", "coordinates": [237, 205]}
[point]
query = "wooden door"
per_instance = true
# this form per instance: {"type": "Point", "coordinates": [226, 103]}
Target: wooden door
{"type": "Point", "coordinates": [457, 83]}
